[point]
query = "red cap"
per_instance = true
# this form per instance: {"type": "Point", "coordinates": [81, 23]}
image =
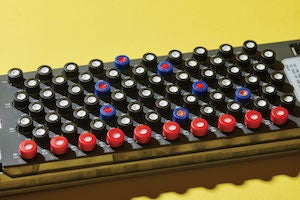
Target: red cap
{"type": "Point", "coordinates": [59, 145]}
{"type": "Point", "coordinates": [28, 149]}
{"type": "Point", "coordinates": [226, 123]}
{"type": "Point", "coordinates": [199, 127]}
{"type": "Point", "coordinates": [142, 134]}
{"type": "Point", "coordinates": [87, 141]}
{"type": "Point", "coordinates": [279, 115]}
{"type": "Point", "coordinates": [171, 130]}
{"type": "Point", "coordinates": [115, 137]}
{"type": "Point", "coordinates": [253, 119]}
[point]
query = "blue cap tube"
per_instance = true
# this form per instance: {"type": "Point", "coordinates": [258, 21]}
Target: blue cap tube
{"type": "Point", "coordinates": [102, 88]}
{"type": "Point", "coordinates": [107, 112]}
{"type": "Point", "coordinates": [199, 88]}
{"type": "Point", "coordinates": [164, 68]}
{"type": "Point", "coordinates": [122, 62]}
{"type": "Point", "coordinates": [180, 115]}
{"type": "Point", "coordinates": [242, 95]}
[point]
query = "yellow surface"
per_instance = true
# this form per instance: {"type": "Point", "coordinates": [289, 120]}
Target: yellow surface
{"type": "Point", "coordinates": [55, 32]}
{"type": "Point", "coordinates": [254, 189]}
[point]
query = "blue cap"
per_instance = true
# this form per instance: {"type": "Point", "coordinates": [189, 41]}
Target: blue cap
{"type": "Point", "coordinates": [242, 95]}
{"type": "Point", "coordinates": [122, 62]}
{"type": "Point", "coordinates": [180, 115]}
{"type": "Point", "coordinates": [107, 112]}
{"type": "Point", "coordinates": [199, 88]}
{"type": "Point", "coordinates": [164, 68]}
{"type": "Point", "coordinates": [102, 88]}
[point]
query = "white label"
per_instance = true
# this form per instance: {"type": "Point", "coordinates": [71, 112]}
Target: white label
{"type": "Point", "coordinates": [292, 71]}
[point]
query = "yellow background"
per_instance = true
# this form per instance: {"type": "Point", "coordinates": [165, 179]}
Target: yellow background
{"type": "Point", "coordinates": [54, 32]}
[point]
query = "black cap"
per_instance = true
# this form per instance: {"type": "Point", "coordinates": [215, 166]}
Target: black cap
{"type": "Point", "coordinates": [36, 109]}
{"type": "Point", "coordinates": [260, 69]}
{"type": "Point", "coordinates": [91, 103]}
{"type": "Point", "coordinates": [200, 53]}
{"type": "Point", "coordinates": [15, 76]}
{"type": "Point", "coordinates": [250, 47]}
{"type": "Point", "coordinates": [129, 86]}
{"type": "Point", "coordinates": [163, 106]}
{"type": "Point", "coordinates": [268, 56]}
{"type": "Point", "coordinates": [96, 66]}
{"type": "Point", "coordinates": [183, 79]}
{"type": "Point", "coordinates": [225, 84]}
{"type": "Point", "coordinates": [153, 119]}
{"type": "Point", "coordinates": [53, 120]}
{"type": "Point", "coordinates": [269, 91]}
{"type": "Point", "coordinates": [156, 82]}
{"type": "Point", "coordinates": [76, 93]}
{"type": "Point", "coordinates": [139, 73]}
{"type": "Point", "coordinates": [86, 79]}
{"type": "Point", "coordinates": [208, 75]}
{"type": "Point", "coordinates": [175, 57]}
{"type": "Point", "coordinates": [149, 60]}
{"type": "Point", "coordinates": [173, 92]}
{"type": "Point", "coordinates": [60, 83]}
{"type": "Point", "coordinates": [125, 123]}
{"type": "Point", "coordinates": [44, 73]}
{"type": "Point", "coordinates": [71, 70]}
{"type": "Point", "coordinates": [252, 81]}
{"type": "Point", "coordinates": [25, 124]}
{"type": "Point", "coordinates": [98, 127]}
{"type": "Point", "coordinates": [135, 109]}
{"type": "Point", "coordinates": [288, 101]}
{"type": "Point", "coordinates": [217, 62]}
{"type": "Point", "coordinates": [47, 96]}
{"type": "Point", "coordinates": [113, 76]}
{"type": "Point", "coordinates": [226, 50]}
{"type": "Point", "coordinates": [40, 134]}
{"type": "Point", "coordinates": [32, 85]}
{"type": "Point", "coordinates": [21, 99]}
{"type": "Point", "coordinates": [64, 106]}
{"type": "Point", "coordinates": [217, 98]}
{"type": "Point", "coordinates": [69, 130]}
{"type": "Point", "coordinates": [191, 65]}
{"type": "Point", "coordinates": [81, 117]}
{"type": "Point", "coordinates": [262, 106]}
{"type": "Point", "coordinates": [234, 72]}
{"type": "Point", "coordinates": [207, 111]}
{"type": "Point", "coordinates": [118, 98]}
{"type": "Point", "coordinates": [146, 95]}
{"type": "Point", "coordinates": [234, 108]}
{"type": "Point", "coordinates": [277, 78]}
{"type": "Point", "coordinates": [190, 101]}
{"type": "Point", "coordinates": [242, 60]}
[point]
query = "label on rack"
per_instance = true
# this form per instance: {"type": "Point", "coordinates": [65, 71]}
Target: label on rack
{"type": "Point", "coordinates": [292, 71]}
